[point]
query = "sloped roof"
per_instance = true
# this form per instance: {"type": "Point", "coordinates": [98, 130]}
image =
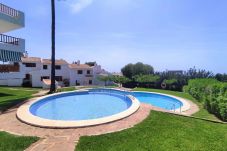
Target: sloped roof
{"type": "Point", "coordinates": [30, 59]}
{"type": "Point", "coordinates": [57, 62]}
{"type": "Point", "coordinates": [79, 66]}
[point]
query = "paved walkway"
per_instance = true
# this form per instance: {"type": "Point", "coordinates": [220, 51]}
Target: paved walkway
{"type": "Point", "coordinates": [193, 109]}
{"type": "Point", "coordinates": [65, 139]}
{"type": "Point", "coordinates": [40, 93]}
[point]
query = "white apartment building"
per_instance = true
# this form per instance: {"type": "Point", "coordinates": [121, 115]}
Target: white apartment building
{"type": "Point", "coordinates": [33, 70]}
{"type": "Point", "coordinates": [17, 70]}
{"type": "Point", "coordinates": [11, 48]}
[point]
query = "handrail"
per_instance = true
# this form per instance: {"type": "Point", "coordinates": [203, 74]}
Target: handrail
{"type": "Point", "coordinates": [9, 39]}
{"type": "Point", "coordinates": [173, 107]}
{"type": "Point", "coordinates": [8, 10]}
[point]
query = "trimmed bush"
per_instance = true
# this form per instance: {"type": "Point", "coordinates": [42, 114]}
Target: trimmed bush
{"type": "Point", "coordinates": [212, 93]}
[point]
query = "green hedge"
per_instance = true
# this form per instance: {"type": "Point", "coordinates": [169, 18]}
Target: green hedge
{"type": "Point", "coordinates": [212, 93]}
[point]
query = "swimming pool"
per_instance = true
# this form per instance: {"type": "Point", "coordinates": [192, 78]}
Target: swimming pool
{"type": "Point", "coordinates": [80, 106]}
{"type": "Point", "coordinates": [158, 100]}
{"type": "Point", "coordinates": [91, 107]}
{"type": "Point", "coordinates": [77, 109]}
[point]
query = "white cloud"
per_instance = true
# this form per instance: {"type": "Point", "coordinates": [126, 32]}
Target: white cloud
{"type": "Point", "coordinates": [78, 5]}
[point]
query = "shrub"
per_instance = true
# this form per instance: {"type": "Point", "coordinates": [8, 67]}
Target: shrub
{"type": "Point", "coordinates": [212, 93]}
{"type": "Point", "coordinates": [146, 80]}
{"type": "Point", "coordinates": [196, 87]}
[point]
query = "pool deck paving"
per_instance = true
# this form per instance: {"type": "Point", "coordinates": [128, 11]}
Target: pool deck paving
{"type": "Point", "coordinates": [66, 139]}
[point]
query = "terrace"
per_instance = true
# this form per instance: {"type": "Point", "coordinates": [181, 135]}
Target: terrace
{"type": "Point", "coordinates": [11, 48]}
{"type": "Point", "coordinates": [9, 39]}
{"type": "Point", "coordinates": [144, 109]}
{"type": "Point", "coordinates": [141, 136]}
{"type": "Point", "coordinates": [10, 19]}
{"type": "Point", "coordinates": [9, 11]}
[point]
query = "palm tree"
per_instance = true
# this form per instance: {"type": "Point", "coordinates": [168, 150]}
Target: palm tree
{"type": "Point", "coordinates": [52, 86]}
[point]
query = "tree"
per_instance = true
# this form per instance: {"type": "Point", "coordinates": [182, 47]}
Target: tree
{"type": "Point", "coordinates": [52, 86]}
{"type": "Point", "coordinates": [120, 79]}
{"type": "Point", "coordinates": [146, 78]}
{"type": "Point", "coordinates": [140, 68]}
{"type": "Point", "coordinates": [221, 77]}
{"type": "Point", "coordinates": [128, 70]}
{"type": "Point", "coordinates": [104, 78]}
{"type": "Point", "coordinates": [193, 73]}
{"type": "Point", "coordinates": [131, 70]}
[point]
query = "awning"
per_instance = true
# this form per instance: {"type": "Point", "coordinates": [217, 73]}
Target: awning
{"type": "Point", "coordinates": [6, 56]}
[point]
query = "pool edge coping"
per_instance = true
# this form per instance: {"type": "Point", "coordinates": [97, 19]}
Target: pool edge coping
{"type": "Point", "coordinates": [23, 114]}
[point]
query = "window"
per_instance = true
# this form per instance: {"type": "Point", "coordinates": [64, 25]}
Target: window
{"type": "Point", "coordinates": [88, 71]}
{"type": "Point", "coordinates": [45, 67]}
{"type": "Point", "coordinates": [80, 72]}
{"type": "Point", "coordinates": [45, 77]}
{"type": "Point", "coordinates": [90, 82]}
{"type": "Point", "coordinates": [30, 64]}
{"type": "Point", "coordinates": [57, 67]}
{"type": "Point", "coordinates": [58, 78]}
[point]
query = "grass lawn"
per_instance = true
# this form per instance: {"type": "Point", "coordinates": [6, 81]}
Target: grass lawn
{"type": "Point", "coordinates": [11, 96]}
{"type": "Point", "coordinates": [202, 113]}
{"type": "Point", "coordinates": [9, 142]}
{"type": "Point", "coordinates": [85, 87]}
{"type": "Point", "coordinates": [65, 89]}
{"type": "Point", "coordinates": [162, 132]}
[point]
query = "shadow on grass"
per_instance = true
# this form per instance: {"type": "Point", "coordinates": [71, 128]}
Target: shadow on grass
{"type": "Point", "coordinates": [5, 94]}
{"type": "Point", "coordinates": [12, 103]}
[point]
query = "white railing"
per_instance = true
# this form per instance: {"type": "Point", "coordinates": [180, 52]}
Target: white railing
{"type": "Point", "coordinates": [9, 39]}
{"type": "Point", "coordinates": [8, 10]}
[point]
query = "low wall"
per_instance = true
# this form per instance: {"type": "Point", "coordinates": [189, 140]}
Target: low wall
{"type": "Point", "coordinates": [11, 82]}
{"type": "Point", "coordinates": [15, 82]}
{"type": "Point", "coordinates": [3, 82]}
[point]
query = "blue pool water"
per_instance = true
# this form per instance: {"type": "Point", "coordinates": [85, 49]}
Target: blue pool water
{"type": "Point", "coordinates": [161, 101]}
{"type": "Point", "coordinates": [80, 106]}
{"type": "Point", "coordinates": [154, 99]}
{"type": "Point", "coordinates": [96, 103]}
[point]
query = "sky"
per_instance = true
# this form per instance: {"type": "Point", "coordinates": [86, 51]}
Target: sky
{"type": "Point", "coordinates": [167, 34]}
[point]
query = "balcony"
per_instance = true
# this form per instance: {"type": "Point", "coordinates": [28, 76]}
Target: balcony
{"type": "Point", "coordinates": [10, 19]}
{"type": "Point", "coordinates": [9, 40]}
{"type": "Point", "coordinates": [10, 43]}
{"type": "Point", "coordinates": [11, 48]}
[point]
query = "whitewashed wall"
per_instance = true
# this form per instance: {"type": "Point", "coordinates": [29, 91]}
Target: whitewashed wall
{"type": "Point", "coordinates": [80, 78]}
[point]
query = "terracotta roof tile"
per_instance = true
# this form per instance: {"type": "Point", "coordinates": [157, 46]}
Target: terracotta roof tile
{"type": "Point", "coordinates": [81, 66]}
{"type": "Point", "coordinates": [30, 59]}
{"type": "Point", "coordinates": [57, 62]}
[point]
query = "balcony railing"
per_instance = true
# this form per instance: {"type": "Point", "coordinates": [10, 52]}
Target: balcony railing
{"type": "Point", "coordinates": [8, 10]}
{"type": "Point", "coordinates": [9, 39]}
{"type": "Point", "coordinates": [9, 68]}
